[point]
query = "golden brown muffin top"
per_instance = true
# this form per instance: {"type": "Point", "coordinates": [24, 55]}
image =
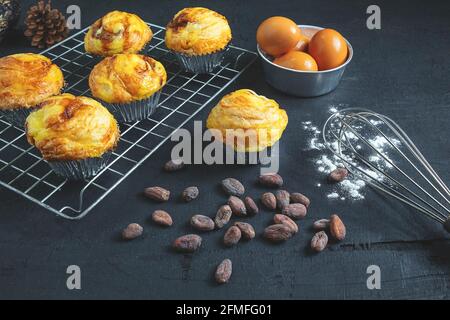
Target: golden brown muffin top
{"type": "Point", "coordinates": [197, 31]}
{"type": "Point", "coordinates": [124, 78]}
{"type": "Point", "coordinates": [255, 121]}
{"type": "Point", "coordinates": [117, 32]}
{"type": "Point", "coordinates": [26, 79]}
{"type": "Point", "coordinates": [66, 127]}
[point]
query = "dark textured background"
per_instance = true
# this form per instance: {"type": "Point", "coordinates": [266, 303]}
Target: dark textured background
{"type": "Point", "coordinates": [402, 70]}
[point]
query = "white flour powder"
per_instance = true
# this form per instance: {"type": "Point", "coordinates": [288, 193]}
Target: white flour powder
{"type": "Point", "coordinates": [353, 187]}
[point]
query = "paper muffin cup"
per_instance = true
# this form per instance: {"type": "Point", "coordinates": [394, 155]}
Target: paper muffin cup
{"type": "Point", "coordinates": [80, 169]}
{"type": "Point", "coordinates": [201, 63]}
{"type": "Point", "coordinates": [134, 111]}
{"type": "Point", "coordinates": [17, 117]}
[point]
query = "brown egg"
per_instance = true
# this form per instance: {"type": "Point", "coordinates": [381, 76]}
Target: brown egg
{"type": "Point", "coordinates": [297, 60]}
{"type": "Point", "coordinates": [328, 48]}
{"type": "Point", "coordinates": [277, 35]}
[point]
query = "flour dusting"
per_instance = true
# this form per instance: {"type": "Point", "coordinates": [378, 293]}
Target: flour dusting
{"type": "Point", "coordinates": [353, 187]}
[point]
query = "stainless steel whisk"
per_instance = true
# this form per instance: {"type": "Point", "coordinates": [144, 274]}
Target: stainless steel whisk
{"type": "Point", "coordinates": [354, 136]}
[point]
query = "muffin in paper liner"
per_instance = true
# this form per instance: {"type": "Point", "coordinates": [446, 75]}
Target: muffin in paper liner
{"type": "Point", "coordinates": [80, 169]}
{"type": "Point", "coordinates": [76, 135]}
{"type": "Point", "coordinates": [201, 63]}
{"type": "Point", "coordinates": [16, 117]}
{"type": "Point", "coordinates": [136, 110]}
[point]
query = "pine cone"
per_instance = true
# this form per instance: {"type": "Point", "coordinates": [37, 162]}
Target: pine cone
{"type": "Point", "coordinates": [45, 26]}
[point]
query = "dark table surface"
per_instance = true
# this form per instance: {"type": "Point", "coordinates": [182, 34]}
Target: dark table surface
{"type": "Point", "coordinates": [402, 70]}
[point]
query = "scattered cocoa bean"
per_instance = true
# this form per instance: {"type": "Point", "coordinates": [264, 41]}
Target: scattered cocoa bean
{"type": "Point", "coordinates": [237, 206]}
{"type": "Point", "coordinates": [162, 218]}
{"type": "Point", "coordinates": [247, 230]}
{"type": "Point", "coordinates": [281, 218]}
{"type": "Point", "coordinates": [337, 228]}
{"type": "Point", "coordinates": [269, 200]}
{"type": "Point", "coordinates": [338, 175]}
{"type": "Point", "coordinates": [297, 197]}
{"type": "Point", "coordinates": [223, 271]}
{"type": "Point", "coordinates": [202, 223]}
{"type": "Point", "coordinates": [251, 206]}
{"type": "Point", "coordinates": [223, 216]}
{"type": "Point", "coordinates": [233, 187]}
{"type": "Point", "coordinates": [294, 211]}
{"type": "Point", "coordinates": [282, 198]}
{"type": "Point", "coordinates": [278, 232]}
{"type": "Point", "coordinates": [321, 225]}
{"type": "Point", "coordinates": [157, 194]}
{"type": "Point", "coordinates": [189, 194]}
{"type": "Point", "coordinates": [319, 241]}
{"type": "Point", "coordinates": [174, 165]}
{"type": "Point", "coordinates": [187, 243]}
{"type": "Point", "coordinates": [232, 236]}
{"type": "Point", "coordinates": [132, 231]}
{"type": "Point", "coordinates": [272, 180]}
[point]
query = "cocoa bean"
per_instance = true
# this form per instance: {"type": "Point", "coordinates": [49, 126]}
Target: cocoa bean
{"type": "Point", "coordinates": [269, 200]}
{"type": "Point", "coordinates": [162, 218]}
{"type": "Point", "coordinates": [232, 236]}
{"type": "Point", "coordinates": [237, 206]}
{"type": "Point", "coordinates": [223, 216]}
{"type": "Point", "coordinates": [281, 218]}
{"type": "Point", "coordinates": [294, 211]}
{"type": "Point", "coordinates": [189, 194]}
{"type": "Point", "coordinates": [278, 232]}
{"type": "Point", "coordinates": [282, 197]}
{"type": "Point", "coordinates": [272, 180]}
{"type": "Point", "coordinates": [202, 223]}
{"type": "Point", "coordinates": [297, 197]}
{"type": "Point", "coordinates": [337, 228]}
{"type": "Point", "coordinates": [223, 271]}
{"type": "Point", "coordinates": [233, 187]}
{"type": "Point", "coordinates": [321, 225]}
{"type": "Point", "coordinates": [132, 231]}
{"type": "Point", "coordinates": [319, 241]}
{"type": "Point", "coordinates": [338, 175]}
{"type": "Point", "coordinates": [157, 194]}
{"type": "Point", "coordinates": [187, 243]}
{"type": "Point", "coordinates": [174, 165]}
{"type": "Point", "coordinates": [247, 230]}
{"type": "Point", "coordinates": [251, 206]}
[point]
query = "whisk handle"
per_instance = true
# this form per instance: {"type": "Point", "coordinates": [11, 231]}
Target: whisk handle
{"type": "Point", "coordinates": [447, 224]}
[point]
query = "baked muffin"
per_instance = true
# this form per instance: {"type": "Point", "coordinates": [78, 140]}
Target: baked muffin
{"type": "Point", "coordinates": [26, 80]}
{"type": "Point", "coordinates": [199, 38]}
{"type": "Point", "coordinates": [117, 32]}
{"type": "Point", "coordinates": [74, 134]}
{"type": "Point", "coordinates": [246, 121]}
{"type": "Point", "coordinates": [129, 84]}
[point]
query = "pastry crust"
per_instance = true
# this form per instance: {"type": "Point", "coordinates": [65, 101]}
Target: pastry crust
{"type": "Point", "coordinates": [197, 31]}
{"type": "Point", "coordinates": [124, 78]}
{"type": "Point", "coordinates": [256, 122]}
{"type": "Point", "coordinates": [72, 128]}
{"type": "Point", "coordinates": [27, 79]}
{"type": "Point", "coordinates": [117, 32]}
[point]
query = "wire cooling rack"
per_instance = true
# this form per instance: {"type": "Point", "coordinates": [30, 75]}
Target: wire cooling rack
{"type": "Point", "coordinates": [23, 170]}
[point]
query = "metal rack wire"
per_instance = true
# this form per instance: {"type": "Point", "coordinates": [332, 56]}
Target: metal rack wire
{"type": "Point", "coordinates": [23, 170]}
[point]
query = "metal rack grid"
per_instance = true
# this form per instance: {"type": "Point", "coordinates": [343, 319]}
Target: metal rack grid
{"type": "Point", "coordinates": [23, 170]}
